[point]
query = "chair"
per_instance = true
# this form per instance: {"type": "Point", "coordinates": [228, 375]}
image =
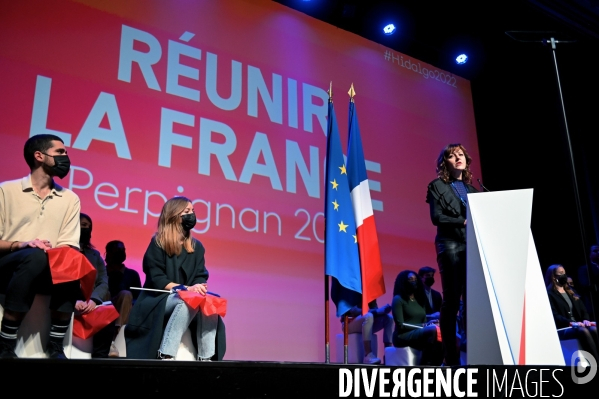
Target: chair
{"type": "Point", "coordinates": [355, 347]}
{"type": "Point", "coordinates": [187, 350]}
{"type": "Point", "coordinates": [406, 356]}
{"type": "Point", "coordinates": [81, 348]}
{"type": "Point", "coordinates": [35, 328]}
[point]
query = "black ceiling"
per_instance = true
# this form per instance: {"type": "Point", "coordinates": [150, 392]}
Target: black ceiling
{"type": "Point", "coordinates": [434, 31]}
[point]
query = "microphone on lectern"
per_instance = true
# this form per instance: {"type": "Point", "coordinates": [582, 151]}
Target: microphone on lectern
{"type": "Point", "coordinates": [482, 186]}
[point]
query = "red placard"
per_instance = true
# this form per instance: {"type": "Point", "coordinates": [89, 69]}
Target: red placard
{"type": "Point", "coordinates": [68, 264]}
{"type": "Point", "coordinates": [208, 304]}
{"type": "Point", "coordinates": [86, 325]}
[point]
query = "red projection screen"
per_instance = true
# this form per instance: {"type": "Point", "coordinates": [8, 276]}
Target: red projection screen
{"type": "Point", "coordinates": [225, 102]}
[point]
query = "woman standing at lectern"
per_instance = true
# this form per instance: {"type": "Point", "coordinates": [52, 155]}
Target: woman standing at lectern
{"type": "Point", "coordinates": [448, 200]}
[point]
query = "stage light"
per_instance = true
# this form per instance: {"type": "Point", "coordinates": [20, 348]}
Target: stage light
{"type": "Point", "coordinates": [461, 59]}
{"type": "Point", "coordinates": [389, 29]}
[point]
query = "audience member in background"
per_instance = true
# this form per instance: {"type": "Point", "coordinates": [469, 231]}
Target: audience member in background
{"type": "Point", "coordinates": [409, 314]}
{"type": "Point", "coordinates": [120, 279]}
{"type": "Point", "coordinates": [375, 320]}
{"type": "Point", "coordinates": [433, 298]}
{"type": "Point", "coordinates": [588, 282]}
{"type": "Point", "coordinates": [102, 338]}
{"type": "Point", "coordinates": [570, 283]}
{"type": "Point", "coordinates": [569, 311]}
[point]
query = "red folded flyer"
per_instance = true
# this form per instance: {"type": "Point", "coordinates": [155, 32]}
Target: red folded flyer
{"type": "Point", "coordinates": [208, 304]}
{"type": "Point", "coordinates": [68, 264]}
{"type": "Point", "coordinates": [86, 325]}
{"type": "Point", "coordinates": [438, 333]}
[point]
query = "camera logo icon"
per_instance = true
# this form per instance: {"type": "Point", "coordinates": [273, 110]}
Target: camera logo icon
{"type": "Point", "coordinates": [584, 367]}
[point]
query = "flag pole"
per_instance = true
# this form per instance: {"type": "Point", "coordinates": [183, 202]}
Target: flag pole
{"type": "Point", "coordinates": [351, 93]}
{"type": "Point", "coordinates": [327, 345]}
{"type": "Point", "coordinates": [371, 268]}
{"type": "Point", "coordinates": [345, 338]}
{"type": "Point", "coordinates": [326, 321]}
{"type": "Point", "coordinates": [342, 261]}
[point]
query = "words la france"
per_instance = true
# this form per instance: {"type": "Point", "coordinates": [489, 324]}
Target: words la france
{"type": "Point", "coordinates": [217, 140]}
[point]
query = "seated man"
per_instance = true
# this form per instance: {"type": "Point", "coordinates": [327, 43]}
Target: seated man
{"type": "Point", "coordinates": [120, 279]}
{"type": "Point", "coordinates": [375, 320]}
{"type": "Point", "coordinates": [434, 298]}
{"type": "Point", "coordinates": [37, 214]}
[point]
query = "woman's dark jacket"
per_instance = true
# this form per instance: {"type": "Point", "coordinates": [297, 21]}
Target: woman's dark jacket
{"type": "Point", "coordinates": [147, 321]}
{"type": "Point", "coordinates": [561, 309]}
{"type": "Point", "coordinates": [447, 211]}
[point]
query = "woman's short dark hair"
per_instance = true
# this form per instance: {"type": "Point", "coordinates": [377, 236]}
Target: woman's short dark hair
{"type": "Point", "coordinates": [39, 142]}
{"type": "Point", "coordinates": [425, 269]}
{"type": "Point", "coordinates": [113, 245]}
{"type": "Point", "coordinates": [442, 170]}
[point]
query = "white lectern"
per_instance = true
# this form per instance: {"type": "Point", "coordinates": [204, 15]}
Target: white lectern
{"type": "Point", "coordinates": [509, 319]}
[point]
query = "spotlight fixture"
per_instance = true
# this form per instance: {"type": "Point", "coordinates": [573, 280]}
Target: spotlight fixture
{"type": "Point", "coordinates": [461, 59]}
{"type": "Point", "coordinates": [389, 29]}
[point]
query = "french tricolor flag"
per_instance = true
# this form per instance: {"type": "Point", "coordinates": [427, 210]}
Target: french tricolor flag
{"type": "Point", "coordinates": [373, 284]}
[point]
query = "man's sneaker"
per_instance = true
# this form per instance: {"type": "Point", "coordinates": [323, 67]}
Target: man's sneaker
{"type": "Point", "coordinates": [7, 351]}
{"type": "Point", "coordinates": [162, 356]}
{"type": "Point", "coordinates": [55, 351]}
{"type": "Point", "coordinates": [114, 352]}
{"type": "Point", "coordinates": [371, 359]}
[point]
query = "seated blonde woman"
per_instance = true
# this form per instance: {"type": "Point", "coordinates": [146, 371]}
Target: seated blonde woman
{"type": "Point", "coordinates": [174, 261]}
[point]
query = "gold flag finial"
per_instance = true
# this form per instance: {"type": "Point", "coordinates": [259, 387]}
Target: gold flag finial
{"type": "Point", "coordinates": [351, 92]}
{"type": "Point", "coordinates": [330, 91]}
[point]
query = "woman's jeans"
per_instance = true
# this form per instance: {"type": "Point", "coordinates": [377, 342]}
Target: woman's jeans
{"type": "Point", "coordinates": [451, 259]}
{"type": "Point", "coordinates": [181, 315]}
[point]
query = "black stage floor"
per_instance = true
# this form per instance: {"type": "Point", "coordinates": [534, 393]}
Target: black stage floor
{"type": "Point", "coordinates": [245, 379]}
{"type": "Point", "coordinates": [224, 379]}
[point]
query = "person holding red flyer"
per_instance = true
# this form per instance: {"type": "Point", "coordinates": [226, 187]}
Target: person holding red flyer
{"type": "Point", "coordinates": [173, 262]}
{"type": "Point", "coordinates": [36, 215]}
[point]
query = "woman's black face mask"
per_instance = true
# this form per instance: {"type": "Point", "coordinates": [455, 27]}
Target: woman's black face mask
{"type": "Point", "coordinates": [188, 221]}
{"type": "Point", "coordinates": [86, 235]}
